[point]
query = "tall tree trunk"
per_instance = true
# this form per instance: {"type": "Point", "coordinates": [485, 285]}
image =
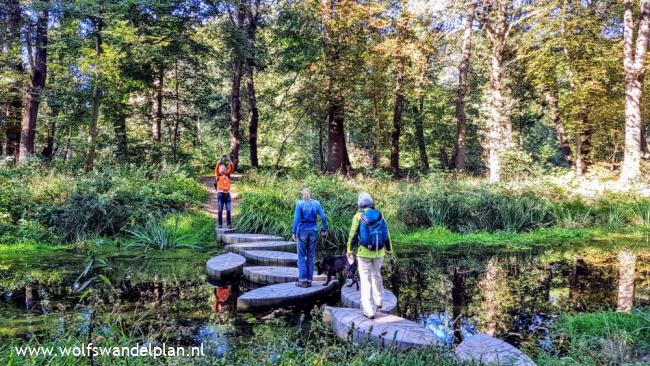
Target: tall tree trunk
{"type": "Point", "coordinates": [499, 125]}
{"type": "Point", "coordinates": [177, 110]}
{"type": "Point", "coordinates": [32, 100]}
{"type": "Point", "coordinates": [644, 142]}
{"type": "Point", "coordinates": [235, 90]}
{"type": "Point", "coordinates": [627, 264]}
{"type": "Point", "coordinates": [634, 64]}
{"type": "Point", "coordinates": [419, 135]}
{"type": "Point", "coordinates": [338, 159]}
{"type": "Point", "coordinates": [463, 71]}
{"type": "Point", "coordinates": [252, 127]}
{"type": "Point", "coordinates": [321, 149]}
{"type": "Point", "coordinates": [235, 112]}
{"type": "Point", "coordinates": [583, 143]}
{"type": "Point", "coordinates": [15, 105]}
{"type": "Point", "coordinates": [158, 88]}
{"type": "Point", "coordinates": [48, 150]}
{"type": "Point", "coordinates": [397, 119]}
{"type": "Point", "coordinates": [337, 151]}
{"type": "Point", "coordinates": [119, 127]}
{"type": "Point", "coordinates": [96, 100]}
{"type": "Point", "coordinates": [376, 112]}
{"type": "Point", "coordinates": [553, 111]}
{"type": "Point", "coordinates": [251, 35]}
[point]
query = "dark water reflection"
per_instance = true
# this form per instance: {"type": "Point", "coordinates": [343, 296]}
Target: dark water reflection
{"type": "Point", "coordinates": [512, 296]}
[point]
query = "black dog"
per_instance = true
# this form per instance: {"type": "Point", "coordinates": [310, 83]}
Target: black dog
{"type": "Point", "coordinates": [332, 265]}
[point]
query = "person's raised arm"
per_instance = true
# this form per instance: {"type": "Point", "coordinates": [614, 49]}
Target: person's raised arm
{"type": "Point", "coordinates": [231, 168]}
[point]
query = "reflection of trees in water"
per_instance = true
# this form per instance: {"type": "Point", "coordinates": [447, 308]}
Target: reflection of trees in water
{"type": "Point", "coordinates": [506, 294]}
{"type": "Point", "coordinates": [627, 264]}
{"type": "Point", "coordinates": [495, 298]}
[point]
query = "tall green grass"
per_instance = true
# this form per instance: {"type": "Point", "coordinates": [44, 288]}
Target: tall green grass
{"type": "Point", "coordinates": [269, 209]}
{"type": "Point", "coordinates": [600, 338]}
{"type": "Point", "coordinates": [76, 206]}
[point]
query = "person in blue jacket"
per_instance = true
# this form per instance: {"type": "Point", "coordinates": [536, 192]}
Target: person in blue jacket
{"type": "Point", "coordinates": [305, 231]}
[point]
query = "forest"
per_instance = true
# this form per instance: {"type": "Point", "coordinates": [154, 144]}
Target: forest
{"type": "Point", "coordinates": [504, 141]}
{"type": "Point", "coordinates": [494, 88]}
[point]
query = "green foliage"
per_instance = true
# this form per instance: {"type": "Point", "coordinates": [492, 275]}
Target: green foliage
{"type": "Point", "coordinates": [101, 203]}
{"type": "Point", "coordinates": [158, 234]}
{"type": "Point", "coordinates": [316, 344]}
{"type": "Point", "coordinates": [269, 207]}
{"type": "Point", "coordinates": [600, 338]}
{"type": "Point", "coordinates": [468, 210]}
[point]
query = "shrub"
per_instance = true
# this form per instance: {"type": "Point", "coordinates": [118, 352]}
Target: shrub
{"type": "Point", "coordinates": [414, 210]}
{"type": "Point", "coordinates": [87, 213]}
{"type": "Point", "coordinates": [640, 212]}
{"type": "Point", "coordinates": [479, 209]}
{"type": "Point", "coordinates": [156, 233]}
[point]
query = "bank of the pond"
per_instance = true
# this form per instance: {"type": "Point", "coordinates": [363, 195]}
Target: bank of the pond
{"type": "Point", "coordinates": [440, 238]}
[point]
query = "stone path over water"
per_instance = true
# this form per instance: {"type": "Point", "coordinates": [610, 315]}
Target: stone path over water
{"type": "Point", "coordinates": [348, 322]}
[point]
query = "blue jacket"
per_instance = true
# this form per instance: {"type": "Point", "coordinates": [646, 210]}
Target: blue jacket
{"type": "Point", "coordinates": [304, 217]}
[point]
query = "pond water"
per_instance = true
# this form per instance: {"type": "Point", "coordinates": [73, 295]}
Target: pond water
{"type": "Point", "coordinates": [515, 296]}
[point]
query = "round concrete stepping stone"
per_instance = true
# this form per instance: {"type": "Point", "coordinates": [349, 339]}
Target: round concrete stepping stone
{"type": "Point", "coordinates": [269, 275]}
{"type": "Point", "coordinates": [383, 331]}
{"type": "Point", "coordinates": [270, 257]}
{"type": "Point", "coordinates": [485, 349]}
{"type": "Point", "coordinates": [283, 246]}
{"type": "Point", "coordinates": [225, 265]}
{"type": "Point", "coordinates": [247, 238]}
{"type": "Point", "coordinates": [351, 298]}
{"type": "Point", "coordinates": [284, 294]}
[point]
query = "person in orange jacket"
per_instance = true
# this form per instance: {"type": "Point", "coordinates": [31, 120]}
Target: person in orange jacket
{"type": "Point", "coordinates": [222, 172]}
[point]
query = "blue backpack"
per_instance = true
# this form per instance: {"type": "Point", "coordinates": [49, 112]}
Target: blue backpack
{"type": "Point", "coordinates": [373, 231]}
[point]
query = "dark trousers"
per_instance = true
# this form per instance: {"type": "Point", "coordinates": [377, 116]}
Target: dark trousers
{"type": "Point", "coordinates": [223, 201]}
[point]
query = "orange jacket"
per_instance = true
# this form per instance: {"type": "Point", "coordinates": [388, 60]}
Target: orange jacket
{"type": "Point", "coordinates": [223, 178]}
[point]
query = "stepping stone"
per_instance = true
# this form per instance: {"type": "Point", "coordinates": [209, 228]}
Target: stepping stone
{"type": "Point", "coordinates": [283, 246]}
{"type": "Point", "coordinates": [247, 238]}
{"type": "Point", "coordinates": [270, 257]}
{"type": "Point", "coordinates": [222, 230]}
{"type": "Point", "coordinates": [269, 275]}
{"type": "Point", "coordinates": [351, 298]}
{"type": "Point", "coordinates": [284, 294]}
{"type": "Point", "coordinates": [383, 331]}
{"type": "Point", "coordinates": [485, 349]}
{"type": "Point", "coordinates": [224, 265]}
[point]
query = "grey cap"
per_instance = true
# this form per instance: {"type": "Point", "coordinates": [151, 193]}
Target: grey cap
{"type": "Point", "coordinates": [365, 200]}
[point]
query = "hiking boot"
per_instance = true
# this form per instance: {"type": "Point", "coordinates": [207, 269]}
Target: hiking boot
{"type": "Point", "coordinates": [303, 284]}
{"type": "Point", "coordinates": [371, 317]}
